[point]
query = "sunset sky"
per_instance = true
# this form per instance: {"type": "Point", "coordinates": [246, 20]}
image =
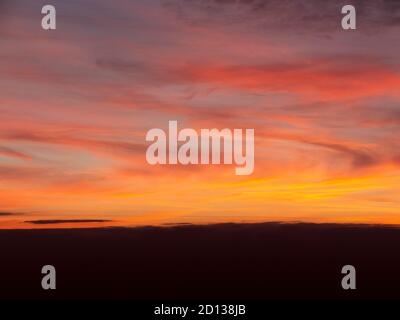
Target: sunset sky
{"type": "Point", "coordinates": [76, 103]}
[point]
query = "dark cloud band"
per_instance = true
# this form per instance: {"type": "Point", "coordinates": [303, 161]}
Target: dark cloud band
{"type": "Point", "coordinates": [66, 221]}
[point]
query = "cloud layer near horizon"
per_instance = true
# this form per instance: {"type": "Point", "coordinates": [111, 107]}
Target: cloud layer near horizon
{"type": "Point", "coordinates": [76, 104]}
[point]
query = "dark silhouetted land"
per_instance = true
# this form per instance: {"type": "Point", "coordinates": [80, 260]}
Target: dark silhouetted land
{"type": "Point", "coordinates": [225, 261]}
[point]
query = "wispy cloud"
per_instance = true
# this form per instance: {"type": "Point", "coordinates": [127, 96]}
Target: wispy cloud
{"type": "Point", "coordinates": [13, 153]}
{"type": "Point", "coordinates": [5, 214]}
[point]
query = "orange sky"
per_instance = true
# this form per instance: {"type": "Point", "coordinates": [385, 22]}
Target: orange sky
{"type": "Point", "coordinates": [76, 104]}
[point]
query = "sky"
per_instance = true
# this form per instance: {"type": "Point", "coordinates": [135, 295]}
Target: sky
{"type": "Point", "coordinates": [76, 103]}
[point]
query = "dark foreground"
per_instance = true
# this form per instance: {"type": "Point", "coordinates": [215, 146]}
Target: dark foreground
{"type": "Point", "coordinates": [227, 261]}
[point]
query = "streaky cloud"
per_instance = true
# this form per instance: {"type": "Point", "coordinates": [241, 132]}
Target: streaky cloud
{"type": "Point", "coordinates": [66, 221]}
